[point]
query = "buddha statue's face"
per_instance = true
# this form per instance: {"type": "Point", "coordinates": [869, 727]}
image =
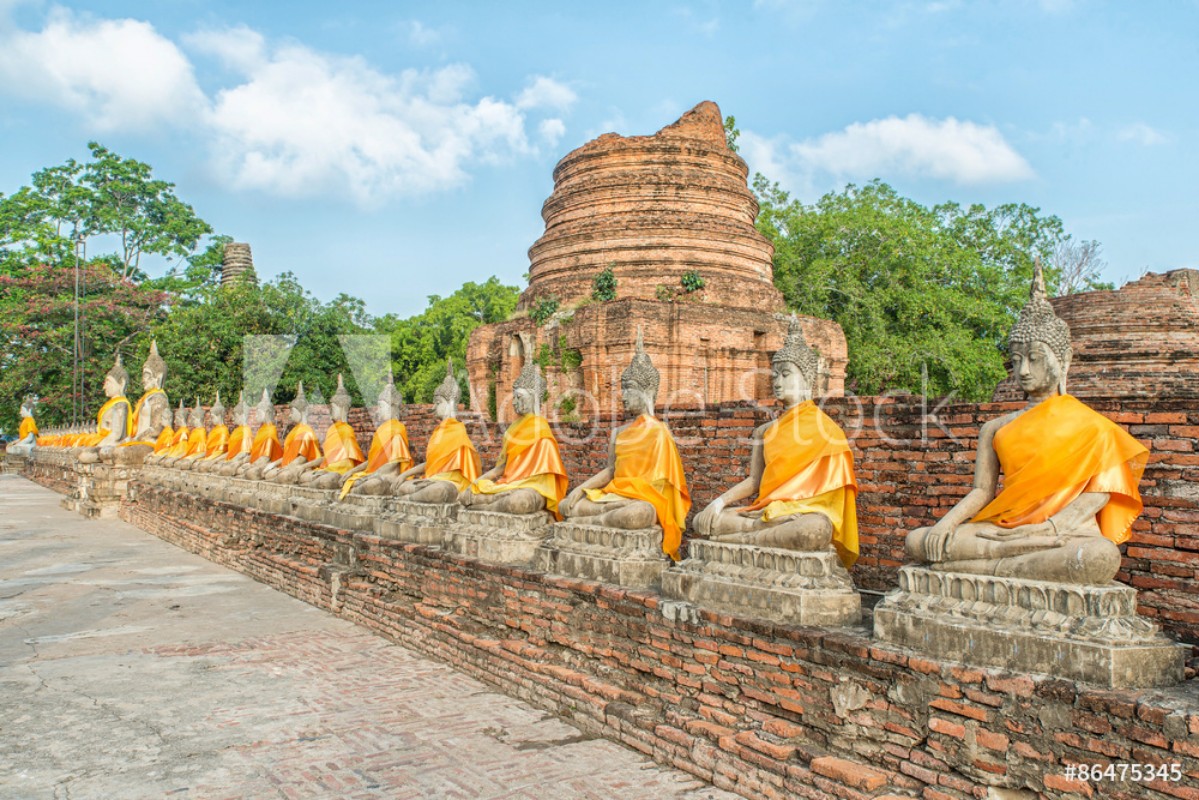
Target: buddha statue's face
{"type": "Point", "coordinates": [296, 416]}
{"type": "Point", "coordinates": [635, 399]}
{"type": "Point", "coordinates": [112, 387]}
{"type": "Point", "coordinates": [788, 383]}
{"type": "Point", "coordinates": [26, 411]}
{"type": "Point", "coordinates": [180, 417]}
{"type": "Point", "coordinates": [240, 413]}
{"type": "Point", "coordinates": [216, 416]}
{"type": "Point", "coordinates": [151, 379]}
{"type": "Point", "coordinates": [522, 401]}
{"type": "Point", "coordinates": [1036, 368]}
{"type": "Point", "coordinates": [340, 412]}
{"type": "Point", "coordinates": [442, 408]}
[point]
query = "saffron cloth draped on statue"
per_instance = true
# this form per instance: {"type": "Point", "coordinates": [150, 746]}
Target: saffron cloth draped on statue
{"type": "Point", "coordinates": [28, 426]}
{"type": "Point", "coordinates": [532, 462]}
{"type": "Point", "coordinates": [342, 452]}
{"type": "Point", "coordinates": [137, 411]}
{"type": "Point", "coordinates": [648, 468]}
{"type": "Point", "coordinates": [179, 442]}
{"type": "Point", "coordinates": [197, 441]}
{"type": "Point", "coordinates": [1057, 451]}
{"type": "Point", "coordinates": [90, 440]}
{"type": "Point", "coordinates": [266, 443]}
{"type": "Point", "coordinates": [451, 456]}
{"type": "Point", "coordinates": [239, 442]}
{"type": "Point", "coordinates": [301, 442]}
{"type": "Point", "coordinates": [809, 470]}
{"type": "Point", "coordinates": [217, 443]}
{"type": "Point", "coordinates": [163, 443]}
{"type": "Point", "coordinates": [388, 446]}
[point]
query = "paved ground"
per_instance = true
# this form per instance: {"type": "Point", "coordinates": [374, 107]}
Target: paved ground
{"type": "Point", "coordinates": [132, 669]}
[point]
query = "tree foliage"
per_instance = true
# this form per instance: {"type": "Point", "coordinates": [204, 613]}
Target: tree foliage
{"type": "Point", "coordinates": [926, 296]}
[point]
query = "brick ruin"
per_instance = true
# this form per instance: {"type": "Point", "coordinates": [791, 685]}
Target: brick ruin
{"type": "Point", "coordinates": [651, 208]}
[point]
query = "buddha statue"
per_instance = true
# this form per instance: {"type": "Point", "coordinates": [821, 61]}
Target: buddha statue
{"type": "Point", "coordinates": [529, 476]}
{"type": "Point", "coordinates": [388, 454]}
{"type": "Point", "coordinates": [341, 450]}
{"type": "Point", "coordinates": [239, 443]}
{"type": "Point", "coordinates": [1070, 476]}
{"type": "Point", "coordinates": [114, 422]}
{"type": "Point", "coordinates": [301, 448]}
{"type": "Point", "coordinates": [800, 470]}
{"type": "Point", "coordinates": [643, 482]}
{"type": "Point", "coordinates": [451, 462]}
{"type": "Point", "coordinates": [27, 431]}
{"type": "Point", "coordinates": [177, 446]}
{"type": "Point", "coordinates": [216, 444]}
{"type": "Point", "coordinates": [197, 437]}
{"type": "Point", "coordinates": [266, 448]}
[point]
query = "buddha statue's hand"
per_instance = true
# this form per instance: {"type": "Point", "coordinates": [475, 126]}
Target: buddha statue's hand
{"type": "Point", "coordinates": [1036, 530]}
{"type": "Point", "coordinates": [935, 541]}
{"type": "Point", "coordinates": [466, 497]}
{"type": "Point", "coordinates": [705, 521]}
{"type": "Point", "coordinates": [568, 504]}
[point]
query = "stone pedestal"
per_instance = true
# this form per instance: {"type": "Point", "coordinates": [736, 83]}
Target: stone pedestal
{"type": "Point", "coordinates": [626, 558]}
{"type": "Point", "coordinates": [357, 512]}
{"type": "Point", "coordinates": [774, 584]}
{"type": "Point", "coordinates": [99, 489]}
{"type": "Point", "coordinates": [1083, 633]}
{"type": "Point", "coordinates": [498, 538]}
{"type": "Point", "coordinates": [419, 523]}
{"type": "Point", "coordinates": [15, 459]}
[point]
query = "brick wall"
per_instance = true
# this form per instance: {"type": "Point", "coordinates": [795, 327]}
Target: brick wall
{"type": "Point", "coordinates": [769, 711]}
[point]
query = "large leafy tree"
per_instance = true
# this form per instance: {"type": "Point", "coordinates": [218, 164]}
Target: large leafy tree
{"type": "Point", "coordinates": [926, 296]}
{"type": "Point", "coordinates": [420, 344]}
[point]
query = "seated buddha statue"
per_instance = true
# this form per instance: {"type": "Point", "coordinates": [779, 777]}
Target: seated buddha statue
{"type": "Point", "coordinates": [341, 450]}
{"type": "Point", "coordinates": [151, 415]}
{"type": "Point", "coordinates": [27, 431]}
{"type": "Point", "coordinates": [643, 482]}
{"type": "Point", "coordinates": [388, 454]}
{"type": "Point", "coordinates": [800, 470]}
{"type": "Point", "coordinates": [114, 421]}
{"type": "Point", "coordinates": [301, 448]}
{"type": "Point", "coordinates": [529, 476]}
{"type": "Point", "coordinates": [240, 440]}
{"type": "Point", "coordinates": [451, 462]}
{"type": "Point", "coordinates": [177, 446]}
{"type": "Point", "coordinates": [1070, 476]}
{"type": "Point", "coordinates": [197, 438]}
{"type": "Point", "coordinates": [216, 443]}
{"type": "Point", "coordinates": [266, 448]}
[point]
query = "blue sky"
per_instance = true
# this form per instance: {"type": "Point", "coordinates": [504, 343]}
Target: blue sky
{"type": "Point", "coordinates": [394, 150]}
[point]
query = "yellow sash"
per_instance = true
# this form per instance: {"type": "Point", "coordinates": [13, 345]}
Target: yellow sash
{"type": "Point", "coordinates": [342, 452]}
{"type": "Point", "coordinates": [216, 443]}
{"type": "Point", "coordinates": [451, 456]}
{"type": "Point", "coordinates": [240, 442]}
{"type": "Point", "coordinates": [28, 426]}
{"type": "Point", "coordinates": [388, 445]}
{"type": "Point", "coordinates": [301, 442]}
{"type": "Point", "coordinates": [532, 462]}
{"type": "Point", "coordinates": [266, 443]}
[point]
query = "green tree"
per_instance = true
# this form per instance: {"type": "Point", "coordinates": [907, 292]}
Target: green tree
{"type": "Point", "coordinates": [926, 296]}
{"type": "Point", "coordinates": [421, 343]}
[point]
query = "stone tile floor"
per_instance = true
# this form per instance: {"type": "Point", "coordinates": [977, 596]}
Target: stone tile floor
{"type": "Point", "coordinates": [132, 669]}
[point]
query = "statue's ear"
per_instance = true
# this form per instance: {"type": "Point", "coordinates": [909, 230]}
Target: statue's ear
{"type": "Point", "coordinates": [1061, 380]}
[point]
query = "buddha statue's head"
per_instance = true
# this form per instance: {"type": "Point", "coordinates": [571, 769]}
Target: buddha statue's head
{"type": "Point", "coordinates": [241, 412]}
{"type": "Point", "coordinates": [181, 415]}
{"type": "Point", "coordinates": [390, 401]}
{"type": "Point", "coordinates": [154, 371]}
{"type": "Point", "coordinates": [28, 405]}
{"type": "Point", "coordinates": [445, 396]}
{"type": "Point", "coordinates": [1039, 344]}
{"type": "Point", "coordinates": [265, 410]}
{"type": "Point", "coordinates": [340, 402]}
{"type": "Point", "coordinates": [639, 382]}
{"type": "Point", "coordinates": [793, 368]}
{"type": "Point", "coordinates": [299, 406]}
{"type": "Point", "coordinates": [529, 387]}
{"type": "Point", "coordinates": [196, 418]}
{"type": "Point", "coordinates": [116, 380]}
{"type": "Point", "coordinates": [216, 414]}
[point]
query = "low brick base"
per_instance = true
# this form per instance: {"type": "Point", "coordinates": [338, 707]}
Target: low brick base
{"type": "Point", "coordinates": [769, 711]}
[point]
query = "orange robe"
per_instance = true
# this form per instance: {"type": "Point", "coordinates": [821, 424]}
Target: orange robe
{"type": "Point", "coordinates": [648, 468]}
{"type": "Point", "coordinates": [1057, 451]}
{"type": "Point", "coordinates": [217, 443]}
{"type": "Point", "coordinates": [342, 452]}
{"type": "Point", "coordinates": [450, 455]}
{"type": "Point", "coordinates": [266, 443]}
{"type": "Point", "coordinates": [164, 440]}
{"type": "Point", "coordinates": [240, 442]}
{"type": "Point", "coordinates": [389, 445]}
{"type": "Point", "coordinates": [178, 448]}
{"type": "Point", "coordinates": [532, 462]}
{"type": "Point", "coordinates": [197, 441]}
{"type": "Point", "coordinates": [93, 439]}
{"type": "Point", "coordinates": [809, 470]}
{"type": "Point", "coordinates": [28, 426]}
{"type": "Point", "coordinates": [301, 442]}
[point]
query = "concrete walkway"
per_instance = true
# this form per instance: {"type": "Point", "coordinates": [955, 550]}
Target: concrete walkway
{"type": "Point", "coordinates": [132, 669]}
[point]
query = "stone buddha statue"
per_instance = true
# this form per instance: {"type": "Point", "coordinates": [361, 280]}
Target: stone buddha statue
{"type": "Point", "coordinates": [341, 450]}
{"type": "Point", "coordinates": [800, 470]}
{"type": "Point", "coordinates": [197, 436]}
{"type": "Point", "coordinates": [177, 446]}
{"type": "Point", "coordinates": [152, 430]}
{"type": "Point", "coordinates": [217, 442]}
{"type": "Point", "coordinates": [266, 448]}
{"type": "Point", "coordinates": [388, 454]}
{"type": "Point", "coordinates": [529, 476]}
{"type": "Point", "coordinates": [1070, 476]}
{"type": "Point", "coordinates": [240, 441]}
{"type": "Point", "coordinates": [451, 462]}
{"type": "Point", "coordinates": [27, 431]}
{"type": "Point", "coordinates": [301, 448]}
{"type": "Point", "coordinates": [643, 483]}
{"type": "Point", "coordinates": [114, 421]}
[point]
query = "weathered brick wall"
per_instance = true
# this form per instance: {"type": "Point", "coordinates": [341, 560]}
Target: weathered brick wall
{"type": "Point", "coordinates": [769, 711]}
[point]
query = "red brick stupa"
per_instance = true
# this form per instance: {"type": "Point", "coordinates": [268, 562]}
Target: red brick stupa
{"type": "Point", "coordinates": [658, 211]}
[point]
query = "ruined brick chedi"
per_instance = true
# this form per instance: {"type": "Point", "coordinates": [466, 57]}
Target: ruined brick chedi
{"type": "Point", "coordinates": [653, 209]}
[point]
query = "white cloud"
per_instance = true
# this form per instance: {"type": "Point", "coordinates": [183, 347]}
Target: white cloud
{"type": "Point", "coordinates": [421, 35]}
{"type": "Point", "coordinates": [117, 74]}
{"type": "Point", "coordinates": [240, 48]}
{"type": "Point", "coordinates": [1142, 134]}
{"type": "Point", "coordinates": [915, 146]}
{"type": "Point", "coordinates": [552, 130]}
{"type": "Point", "coordinates": [546, 92]}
